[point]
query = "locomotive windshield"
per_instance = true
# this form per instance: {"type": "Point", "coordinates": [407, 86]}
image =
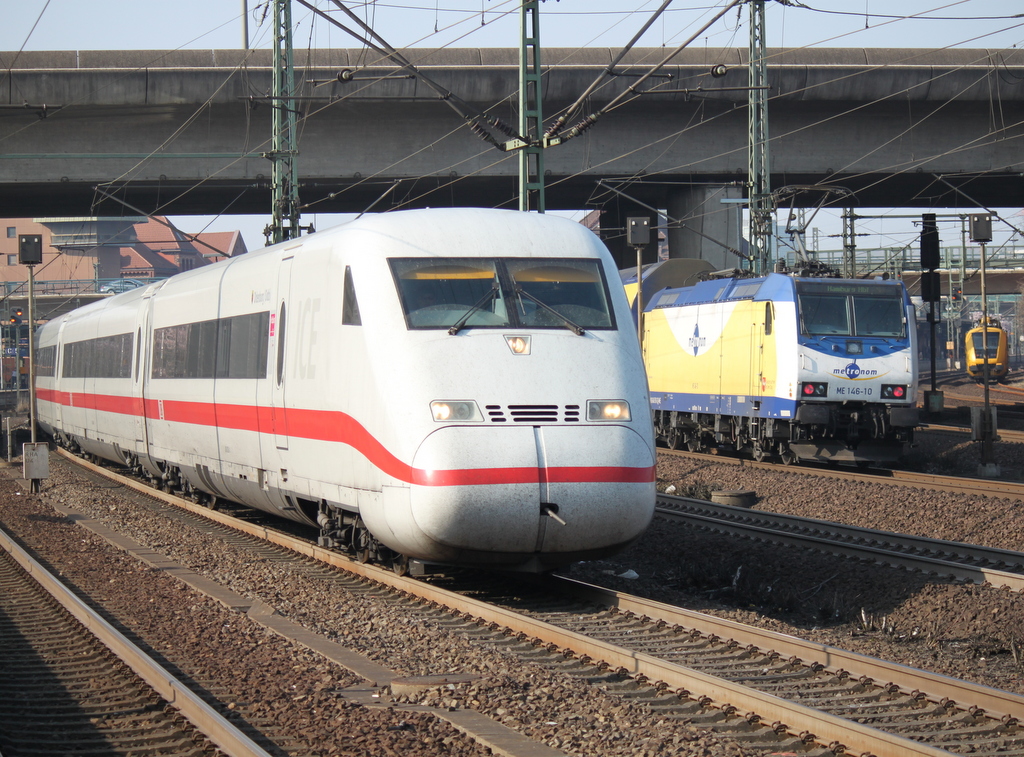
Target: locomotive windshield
{"type": "Point", "coordinates": [850, 309]}
{"type": "Point", "coordinates": [992, 347]}
{"type": "Point", "coordinates": [545, 293]}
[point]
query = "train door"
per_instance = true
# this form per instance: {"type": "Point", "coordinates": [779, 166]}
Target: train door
{"type": "Point", "coordinates": [279, 347]}
{"type": "Point", "coordinates": [761, 326]}
{"type": "Point", "coordinates": [57, 408]}
{"type": "Point", "coordinates": [139, 367]}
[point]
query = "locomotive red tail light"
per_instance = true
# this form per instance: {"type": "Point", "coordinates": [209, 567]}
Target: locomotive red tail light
{"type": "Point", "coordinates": [814, 389]}
{"type": "Point", "coordinates": [894, 392]}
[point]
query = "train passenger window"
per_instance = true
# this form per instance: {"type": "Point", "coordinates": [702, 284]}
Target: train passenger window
{"type": "Point", "coordinates": [242, 344]}
{"type": "Point", "coordinates": [234, 347]}
{"type": "Point", "coordinates": [103, 357]}
{"type": "Point", "coordinates": [350, 306]}
{"type": "Point", "coordinates": [46, 361]}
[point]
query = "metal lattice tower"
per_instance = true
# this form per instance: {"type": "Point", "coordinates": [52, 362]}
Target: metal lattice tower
{"type": "Point", "coordinates": [531, 124]}
{"type": "Point", "coordinates": [758, 167]}
{"type": "Point", "coordinates": [284, 149]}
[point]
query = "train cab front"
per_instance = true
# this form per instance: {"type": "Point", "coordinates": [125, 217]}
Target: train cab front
{"type": "Point", "coordinates": [525, 497]}
{"type": "Point", "coordinates": [554, 462]}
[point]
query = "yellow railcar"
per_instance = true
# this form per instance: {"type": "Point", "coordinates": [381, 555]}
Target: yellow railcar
{"type": "Point", "coordinates": [986, 343]}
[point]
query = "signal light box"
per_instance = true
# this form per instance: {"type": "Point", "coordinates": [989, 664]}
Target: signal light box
{"type": "Point", "coordinates": [30, 249]}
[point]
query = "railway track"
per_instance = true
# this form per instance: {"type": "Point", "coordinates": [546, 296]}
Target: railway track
{"type": "Point", "coordinates": [73, 684]}
{"type": "Point", "coordinates": [946, 559]}
{"type": "Point", "coordinates": [1002, 434]}
{"type": "Point", "coordinates": [768, 690]}
{"type": "Point", "coordinates": [954, 484]}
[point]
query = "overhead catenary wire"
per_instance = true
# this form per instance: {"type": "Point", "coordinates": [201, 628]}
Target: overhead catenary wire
{"type": "Point", "coordinates": [478, 122]}
{"type": "Point", "coordinates": [590, 120]}
{"type": "Point", "coordinates": [468, 174]}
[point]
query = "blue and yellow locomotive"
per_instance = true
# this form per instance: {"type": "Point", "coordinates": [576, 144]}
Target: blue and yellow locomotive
{"type": "Point", "coordinates": [802, 368]}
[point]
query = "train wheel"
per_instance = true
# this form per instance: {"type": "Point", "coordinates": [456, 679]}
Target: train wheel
{"type": "Point", "coordinates": [674, 439]}
{"type": "Point", "coordinates": [788, 456]}
{"type": "Point", "coordinates": [400, 565]}
{"type": "Point", "coordinates": [361, 544]}
{"type": "Point", "coordinates": [694, 445]}
{"type": "Point", "coordinates": [758, 452]}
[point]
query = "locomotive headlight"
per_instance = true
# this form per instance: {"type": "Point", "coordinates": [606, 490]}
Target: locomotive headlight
{"type": "Point", "coordinates": [894, 392]}
{"type": "Point", "coordinates": [455, 410]}
{"type": "Point", "coordinates": [608, 410]}
{"type": "Point", "coordinates": [520, 345]}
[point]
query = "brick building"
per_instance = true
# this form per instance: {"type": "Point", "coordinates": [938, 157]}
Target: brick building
{"type": "Point", "coordinates": [82, 254]}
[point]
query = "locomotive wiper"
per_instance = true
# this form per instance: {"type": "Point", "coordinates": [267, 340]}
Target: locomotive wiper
{"type": "Point", "coordinates": [575, 328]}
{"type": "Point", "coordinates": [480, 303]}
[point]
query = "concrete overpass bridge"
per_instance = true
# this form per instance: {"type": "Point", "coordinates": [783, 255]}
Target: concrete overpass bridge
{"type": "Point", "coordinates": [185, 132]}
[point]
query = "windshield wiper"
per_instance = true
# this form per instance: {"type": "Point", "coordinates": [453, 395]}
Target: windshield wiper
{"type": "Point", "coordinates": [576, 329]}
{"type": "Point", "coordinates": [480, 303]}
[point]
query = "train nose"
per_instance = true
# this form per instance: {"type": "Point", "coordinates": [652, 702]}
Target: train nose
{"type": "Point", "coordinates": [523, 490]}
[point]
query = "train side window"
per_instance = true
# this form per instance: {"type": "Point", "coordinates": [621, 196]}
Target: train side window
{"type": "Point", "coordinates": [768, 315]}
{"type": "Point", "coordinates": [104, 357]}
{"type": "Point", "coordinates": [46, 361]}
{"type": "Point", "coordinates": [280, 346]}
{"type": "Point", "coordinates": [350, 306]}
{"type": "Point", "coordinates": [138, 342]}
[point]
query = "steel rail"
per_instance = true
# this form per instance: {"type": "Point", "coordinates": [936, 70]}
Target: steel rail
{"type": "Point", "coordinates": [1002, 434]}
{"type": "Point", "coordinates": [996, 702]}
{"type": "Point", "coordinates": [780, 528]}
{"type": "Point", "coordinates": [208, 721]}
{"type": "Point", "coordinates": [797, 719]}
{"type": "Point", "coordinates": [953, 484]}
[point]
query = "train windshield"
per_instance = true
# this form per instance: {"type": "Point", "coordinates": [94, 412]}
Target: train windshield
{"type": "Point", "coordinates": [993, 344]}
{"type": "Point", "coordinates": [458, 293]}
{"type": "Point", "coordinates": [850, 309]}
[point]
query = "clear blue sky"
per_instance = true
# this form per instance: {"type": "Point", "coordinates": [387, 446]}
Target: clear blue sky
{"type": "Point", "coordinates": [203, 24]}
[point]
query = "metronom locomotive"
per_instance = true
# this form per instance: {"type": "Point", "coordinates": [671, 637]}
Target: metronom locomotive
{"type": "Point", "coordinates": [457, 386]}
{"type": "Point", "coordinates": [804, 368]}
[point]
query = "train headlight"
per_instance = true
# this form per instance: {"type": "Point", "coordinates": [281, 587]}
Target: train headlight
{"type": "Point", "coordinates": [520, 345]}
{"type": "Point", "coordinates": [608, 410]}
{"type": "Point", "coordinates": [814, 389]}
{"type": "Point", "coordinates": [464, 411]}
{"type": "Point", "coordinates": [894, 392]}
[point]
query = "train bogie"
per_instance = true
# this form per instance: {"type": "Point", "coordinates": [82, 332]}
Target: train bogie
{"type": "Point", "coordinates": [458, 386]}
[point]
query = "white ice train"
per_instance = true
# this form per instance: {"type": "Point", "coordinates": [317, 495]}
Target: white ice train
{"type": "Point", "coordinates": [457, 386]}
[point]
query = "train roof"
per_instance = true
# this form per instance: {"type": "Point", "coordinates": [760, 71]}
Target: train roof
{"type": "Point", "coordinates": [774, 286]}
{"type": "Point", "coordinates": [441, 232]}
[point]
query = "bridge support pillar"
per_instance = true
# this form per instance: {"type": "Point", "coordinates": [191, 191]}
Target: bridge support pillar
{"type": "Point", "coordinates": [707, 226]}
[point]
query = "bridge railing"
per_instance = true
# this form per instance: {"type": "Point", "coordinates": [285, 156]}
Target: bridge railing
{"type": "Point", "coordinates": [66, 287]}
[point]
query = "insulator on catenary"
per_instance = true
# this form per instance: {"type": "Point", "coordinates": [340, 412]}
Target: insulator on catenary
{"type": "Point", "coordinates": [581, 127]}
{"type": "Point", "coordinates": [497, 123]}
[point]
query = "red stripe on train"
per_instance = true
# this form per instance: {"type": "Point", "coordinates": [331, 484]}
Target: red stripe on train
{"type": "Point", "coordinates": [333, 426]}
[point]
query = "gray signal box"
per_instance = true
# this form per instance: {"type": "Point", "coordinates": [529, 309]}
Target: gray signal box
{"type": "Point", "coordinates": [30, 249]}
